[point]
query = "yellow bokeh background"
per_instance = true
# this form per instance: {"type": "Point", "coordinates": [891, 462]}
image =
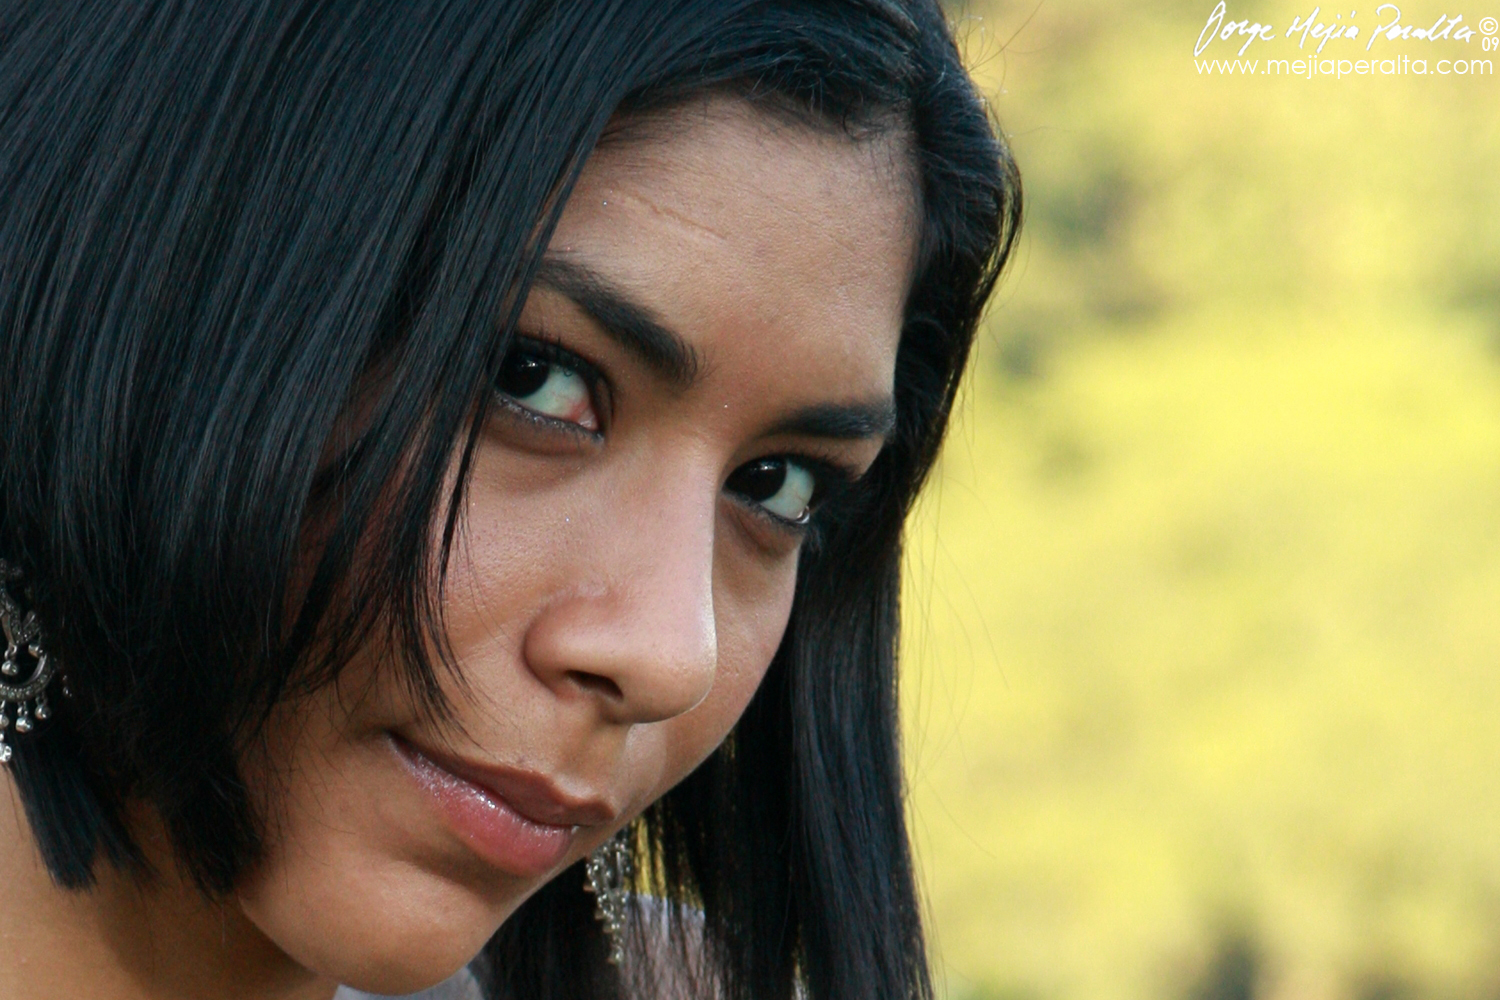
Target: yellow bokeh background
{"type": "Point", "coordinates": [1202, 627]}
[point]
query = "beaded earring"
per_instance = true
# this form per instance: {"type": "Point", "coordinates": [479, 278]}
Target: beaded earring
{"type": "Point", "coordinates": [26, 670]}
{"type": "Point", "coordinates": [610, 870]}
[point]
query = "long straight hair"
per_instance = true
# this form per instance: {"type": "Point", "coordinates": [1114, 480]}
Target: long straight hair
{"type": "Point", "coordinates": [222, 222]}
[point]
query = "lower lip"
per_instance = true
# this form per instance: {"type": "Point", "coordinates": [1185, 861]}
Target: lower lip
{"type": "Point", "coordinates": [494, 830]}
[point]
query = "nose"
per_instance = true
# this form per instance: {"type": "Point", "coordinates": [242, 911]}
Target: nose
{"type": "Point", "coordinates": [634, 630]}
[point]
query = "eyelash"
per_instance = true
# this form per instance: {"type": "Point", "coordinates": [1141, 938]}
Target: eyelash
{"type": "Point", "coordinates": [833, 477]}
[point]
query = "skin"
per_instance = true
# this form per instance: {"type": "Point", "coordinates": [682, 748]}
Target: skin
{"type": "Point", "coordinates": [611, 606]}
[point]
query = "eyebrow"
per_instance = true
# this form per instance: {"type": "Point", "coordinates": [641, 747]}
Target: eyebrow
{"type": "Point", "coordinates": [628, 323]}
{"type": "Point", "coordinates": [634, 328]}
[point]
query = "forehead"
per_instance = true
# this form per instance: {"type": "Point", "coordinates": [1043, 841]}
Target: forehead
{"type": "Point", "coordinates": [745, 231]}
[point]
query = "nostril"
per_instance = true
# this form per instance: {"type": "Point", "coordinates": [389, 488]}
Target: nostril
{"type": "Point", "coordinates": [596, 683]}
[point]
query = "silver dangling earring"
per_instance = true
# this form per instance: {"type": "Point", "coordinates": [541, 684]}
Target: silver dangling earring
{"type": "Point", "coordinates": [611, 868]}
{"type": "Point", "coordinates": [23, 636]}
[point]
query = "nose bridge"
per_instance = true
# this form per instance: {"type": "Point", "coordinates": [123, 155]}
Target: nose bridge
{"type": "Point", "coordinates": [664, 574]}
{"type": "Point", "coordinates": [644, 620]}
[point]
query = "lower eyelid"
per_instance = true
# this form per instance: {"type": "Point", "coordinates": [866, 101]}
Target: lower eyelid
{"type": "Point", "coordinates": [794, 529]}
{"type": "Point", "coordinates": [519, 411]}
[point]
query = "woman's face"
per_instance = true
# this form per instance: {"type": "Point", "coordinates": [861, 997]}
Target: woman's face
{"type": "Point", "coordinates": [710, 346]}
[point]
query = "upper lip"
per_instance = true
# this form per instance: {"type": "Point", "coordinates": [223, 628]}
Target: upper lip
{"type": "Point", "coordinates": [534, 796]}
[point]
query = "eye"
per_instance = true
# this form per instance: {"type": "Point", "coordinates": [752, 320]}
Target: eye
{"type": "Point", "coordinates": [536, 379]}
{"type": "Point", "coordinates": [784, 488]}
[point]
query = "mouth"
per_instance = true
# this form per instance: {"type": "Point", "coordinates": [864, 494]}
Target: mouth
{"type": "Point", "coordinates": [516, 820]}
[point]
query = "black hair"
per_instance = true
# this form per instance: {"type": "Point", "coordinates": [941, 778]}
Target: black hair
{"type": "Point", "coordinates": [222, 222]}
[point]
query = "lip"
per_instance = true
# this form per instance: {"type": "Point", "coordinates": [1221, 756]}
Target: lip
{"type": "Point", "coordinates": [518, 821]}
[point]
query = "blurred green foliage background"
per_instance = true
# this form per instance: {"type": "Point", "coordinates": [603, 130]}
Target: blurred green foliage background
{"type": "Point", "coordinates": [1202, 650]}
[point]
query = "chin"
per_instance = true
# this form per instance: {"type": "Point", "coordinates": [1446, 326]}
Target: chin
{"type": "Point", "coordinates": [406, 960]}
{"type": "Point", "coordinates": [392, 928]}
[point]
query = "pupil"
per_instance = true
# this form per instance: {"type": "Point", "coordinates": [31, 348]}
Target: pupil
{"type": "Point", "coordinates": [522, 374]}
{"type": "Point", "coordinates": [759, 480]}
